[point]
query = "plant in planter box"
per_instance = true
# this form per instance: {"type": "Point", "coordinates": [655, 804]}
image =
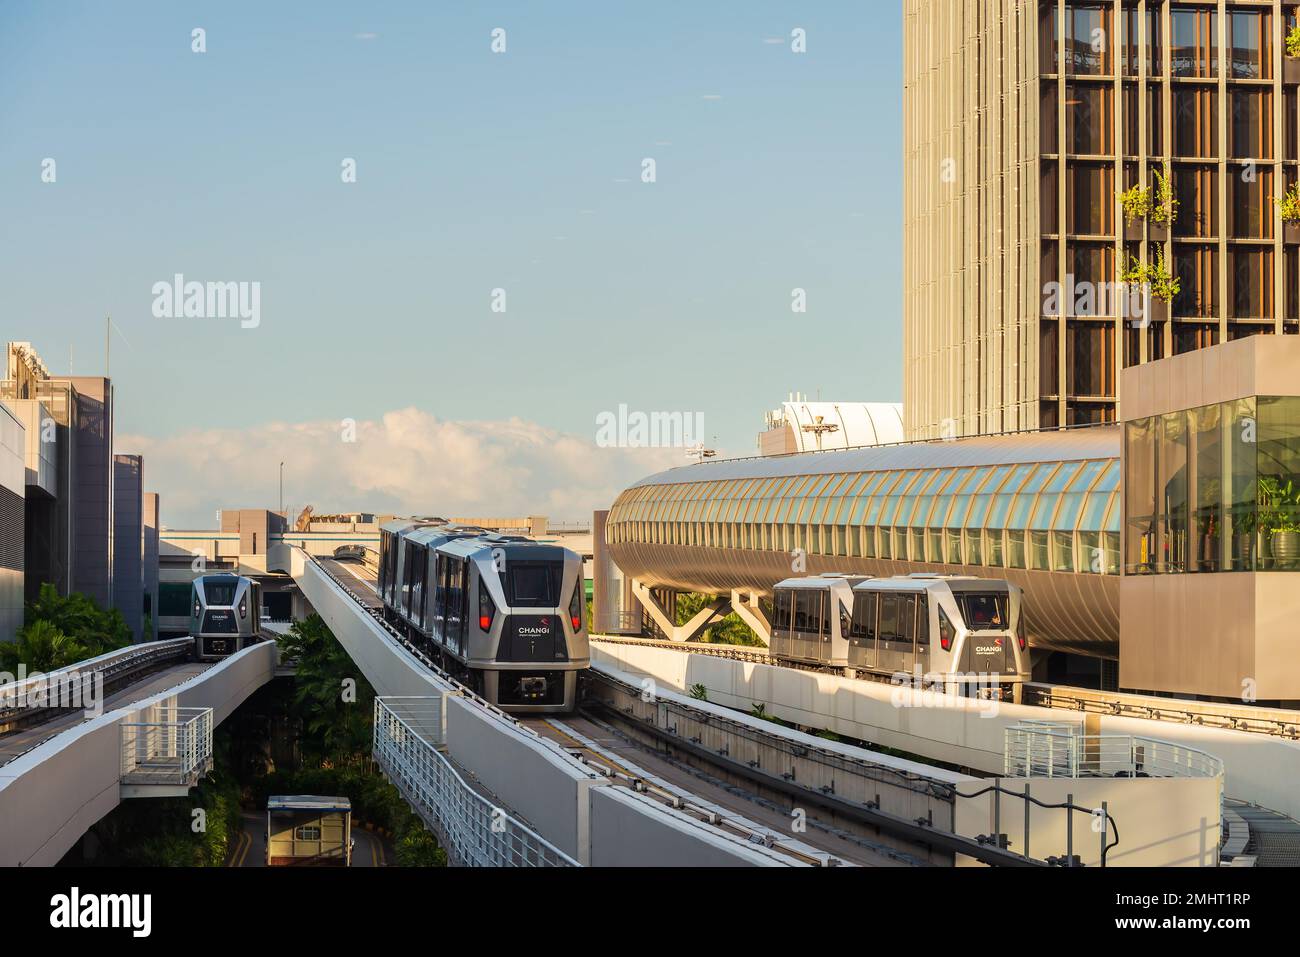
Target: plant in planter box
{"type": "Point", "coordinates": [1293, 42]}
{"type": "Point", "coordinates": [1136, 203]}
{"type": "Point", "coordinates": [1164, 206]}
{"type": "Point", "coordinates": [1289, 204]}
{"type": "Point", "coordinates": [1164, 286]}
{"type": "Point", "coordinates": [1279, 516]}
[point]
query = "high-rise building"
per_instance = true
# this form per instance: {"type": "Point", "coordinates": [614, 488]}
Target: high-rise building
{"type": "Point", "coordinates": [128, 541]}
{"type": "Point", "coordinates": [1024, 123]}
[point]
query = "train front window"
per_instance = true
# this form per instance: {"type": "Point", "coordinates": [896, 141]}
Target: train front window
{"type": "Point", "coordinates": [983, 612]}
{"type": "Point", "coordinates": [534, 584]}
{"type": "Point", "coordinates": [219, 593]}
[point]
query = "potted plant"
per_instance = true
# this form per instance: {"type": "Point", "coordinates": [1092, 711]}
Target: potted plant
{"type": "Point", "coordinates": [1289, 207]}
{"type": "Point", "coordinates": [1279, 516]}
{"type": "Point", "coordinates": [1164, 206]}
{"type": "Point", "coordinates": [1162, 286]}
{"type": "Point", "coordinates": [1243, 538]}
{"type": "Point", "coordinates": [1136, 204]}
{"type": "Point", "coordinates": [1291, 62]}
{"type": "Point", "coordinates": [1159, 209]}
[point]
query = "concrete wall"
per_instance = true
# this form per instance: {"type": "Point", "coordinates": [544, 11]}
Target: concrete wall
{"type": "Point", "coordinates": [52, 794]}
{"type": "Point", "coordinates": [1257, 767]}
{"type": "Point", "coordinates": [151, 526]}
{"type": "Point", "coordinates": [1162, 822]}
{"type": "Point", "coordinates": [630, 830]}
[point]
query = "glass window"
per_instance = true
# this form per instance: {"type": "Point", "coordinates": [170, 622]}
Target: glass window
{"type": "Point", "coordinates": [961, 500]}
{"type": "Point", "coordinates": [1196, 130]}
{"type": "Point", "coordinates": [1015, 548]}
{"type": "Point", "coordinates": [1278, 495]}
{"type": "Point", "coordinates": [1090, 120]}
{"type": "Point", "coordinates": [1088, 36]}
{"type": "Point", "coordinates": [1194, 42]}
{"type": "Point", "coordinates": [997, 517]}
{"type": "Point", "coordinates": [1250, 44]}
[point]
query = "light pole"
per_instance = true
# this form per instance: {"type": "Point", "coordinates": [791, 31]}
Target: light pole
{"type": "Point", "coordinates": [281, 488]}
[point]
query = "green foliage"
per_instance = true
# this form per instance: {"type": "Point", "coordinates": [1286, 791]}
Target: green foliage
{"type": "Point", "coordinates": [1163, 285]}
{"type": "Point", "coordinates": [339, 730]}
{"type": "Point", "coordinates": [62, 631]}
{"type": "Point", "coordinates": [1164, 207]}
{"type": "Point", "coordinates": [1136, 202]}
{"type": "Point", "coordinates": [1278, 504]}
{"type": "Point", "coordinates": [727, 630]}
{"type": "Point", "coordinates": [759, 710]}
{"type": "Point", "coordinates": [1289, 204]}
{"type": "Point", "coordinates": [1293, 41]}
{"type": "Point", "coordinates": [699, 692]}
{"type": "Point", "coordinates": [373, 799]}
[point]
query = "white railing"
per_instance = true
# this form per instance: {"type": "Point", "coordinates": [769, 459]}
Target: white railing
{"type": "Point", "coordinates": [1056, 749]}
{"type": "Point", "coordinates": [173, 746]}
{"type": "Point", "coordinates": [474, 832]}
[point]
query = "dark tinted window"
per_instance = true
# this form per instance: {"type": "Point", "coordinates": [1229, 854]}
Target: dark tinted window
{"type": "Point", "coordinates": [219, 592]}
{"type": "Point", "coordinates": [781, 611]}
{"type": "Point", "coordinates": [985, 611]}
{"type": "Point", "coordinates": [534, 584]}
{"type": "Point", "coordinates": [864, 617]}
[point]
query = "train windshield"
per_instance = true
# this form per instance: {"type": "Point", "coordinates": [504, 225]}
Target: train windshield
{"type": "Point", "coordinates": [220, 593]}
{"type": "Point", "coordinates": [983, 612]}
{"type": "Point", "coordinates": [534, 584]}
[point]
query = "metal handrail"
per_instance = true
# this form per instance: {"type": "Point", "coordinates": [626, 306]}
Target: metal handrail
{"type": "Point", "coordinates": [109, 665]}
{"type": "Point", "coordinates": [473, 831]}
{"type": "Point", "coordinates": [1045, 749]}
{"type": "Point", "coordinates": [175, 752]}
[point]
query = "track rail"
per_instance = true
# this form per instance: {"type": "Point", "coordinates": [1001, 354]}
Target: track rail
{"type": "Point", "coordinates": [117, 669]}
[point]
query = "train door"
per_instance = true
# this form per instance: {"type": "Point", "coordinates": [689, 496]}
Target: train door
{"type": "Point", "coordinates": [897, 632]}
{"type": "Point", "coordinates": [462, 606]}
{"type": "Point", "coordinates": [440, 600]}
{"type": "Point", "coordinates": [806, 633]}
{"type": "Point", "coordinates": [782, 600]}
{"type": "Point", "coordinates": [862, 630]}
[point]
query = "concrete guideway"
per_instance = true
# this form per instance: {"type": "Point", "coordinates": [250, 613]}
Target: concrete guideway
{"type": "Point", "coordinates": [536, 782]}
{"type": "Point", "coordinates": [50, 795]}
{"type": "Point", "coordinates": [1176, 813]}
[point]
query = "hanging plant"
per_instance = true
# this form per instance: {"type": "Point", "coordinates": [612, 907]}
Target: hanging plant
{"type": "Point", "coordinates": [1293, 41]}
{"type": "Point", "coordinates": [1289, 204]}
{"type": "Point", "coordinates": [1136, 202]}
{"type": "Point", "coordinates": [1164, 286]}
{"type": "Point", "coordinates": [1164, 208]}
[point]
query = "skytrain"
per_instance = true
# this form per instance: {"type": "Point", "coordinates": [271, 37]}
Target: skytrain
{"type": "Point", "coordinates": [225, 615]}
{"type": "Point", "coordinates": [502, 612]}
{"type": "Point", "coordinates": [960, 633]}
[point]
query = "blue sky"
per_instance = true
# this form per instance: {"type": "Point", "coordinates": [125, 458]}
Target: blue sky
{"type": "Point", "coordinates": [475, 171]}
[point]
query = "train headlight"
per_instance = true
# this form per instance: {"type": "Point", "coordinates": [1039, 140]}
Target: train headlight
{"type": "Point", "coordinates": [946, 631]}
{"type": "Point", "coordinates": [486, 609]}
{"type": "Point", "coordinates": [197, 608]}
{"type": "Point", "coordinates": [243, 607]}
{"type": "Point", "coordinates": [575, 607]}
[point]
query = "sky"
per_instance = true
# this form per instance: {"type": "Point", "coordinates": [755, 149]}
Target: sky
{"type": "Point", "coordinates": [475, 171]}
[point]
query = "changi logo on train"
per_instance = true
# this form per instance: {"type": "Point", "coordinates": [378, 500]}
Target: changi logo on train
{"type": "Point", "coordinates": [179, 299]}
{"type": "Point", "coordinates": [637, 430]}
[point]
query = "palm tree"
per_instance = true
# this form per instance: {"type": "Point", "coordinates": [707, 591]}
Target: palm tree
{"type": "Point", "coordinates": [41, 646]}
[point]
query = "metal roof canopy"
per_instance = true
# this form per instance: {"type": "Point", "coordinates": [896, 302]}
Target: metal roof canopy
{"type": "Point", "coordinates": [1015, 448]}
{"type": "Point", "coordinates": [307, 802]}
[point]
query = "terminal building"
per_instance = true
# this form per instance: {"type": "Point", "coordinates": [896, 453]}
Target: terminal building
{"type": "Point", "coordinates": [1156, 554]}
{"type": "Point", "coordinates": [72, 530]}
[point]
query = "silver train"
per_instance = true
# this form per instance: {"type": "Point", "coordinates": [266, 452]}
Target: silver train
{"type": "Point", "coordinates": [225, 615]}
{"type": "Point", "coordinates": [962, 634]}
{"type": "Point", "coordinates": [503, 613]}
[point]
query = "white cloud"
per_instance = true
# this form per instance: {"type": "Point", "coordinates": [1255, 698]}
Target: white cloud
{"type": "Point", "coordinates": [367, 36]}
{"type": "Point", "coordinates": [408, 462]}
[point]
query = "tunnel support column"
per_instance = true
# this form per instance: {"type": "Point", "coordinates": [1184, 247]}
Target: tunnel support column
{"type": "Point", "coordinates": [715, 609]}
{"type": "Point", "coordinates": [752, 615]}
